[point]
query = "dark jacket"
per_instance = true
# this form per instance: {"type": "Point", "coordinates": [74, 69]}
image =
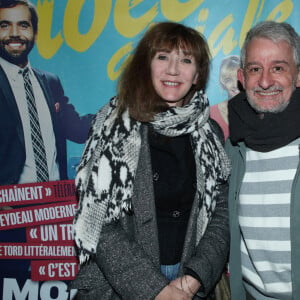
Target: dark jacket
{"type": "Point", "coordinates": [67, 124]}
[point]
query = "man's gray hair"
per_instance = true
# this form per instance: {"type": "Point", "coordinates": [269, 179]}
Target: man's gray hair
{"type": "Point", "coordinates": [276, 32]}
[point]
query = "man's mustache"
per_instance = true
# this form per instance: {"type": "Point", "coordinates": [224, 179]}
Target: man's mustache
{"type": "Point", "coordinates": [14, 40]}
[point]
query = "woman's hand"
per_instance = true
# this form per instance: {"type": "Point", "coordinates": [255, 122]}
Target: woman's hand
{"type": "Point", "coordinates": [186, 283]}
{"type": "Point", "coordinates": [171, 292]}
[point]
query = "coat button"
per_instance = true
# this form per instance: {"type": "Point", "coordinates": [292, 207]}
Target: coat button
{"type": "Point", "coordinates": [176, 214]}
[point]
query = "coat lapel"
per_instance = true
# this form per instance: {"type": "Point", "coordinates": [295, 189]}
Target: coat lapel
{"type": "Point", "coordinates": [9, 102]}
{"type": "Point", "coordinates": [143, 201]}
{"type": "Point", "coordinates": [44, 82]}
{"type": "Point", "coordinates": [42, 79]}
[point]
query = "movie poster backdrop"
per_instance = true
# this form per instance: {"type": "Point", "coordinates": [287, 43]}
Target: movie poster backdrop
{"type": "Point", "coordinates": [86, 43]}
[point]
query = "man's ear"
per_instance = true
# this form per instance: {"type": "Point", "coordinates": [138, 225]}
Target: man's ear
{"type": "Point", "coordinates": [241, 77]}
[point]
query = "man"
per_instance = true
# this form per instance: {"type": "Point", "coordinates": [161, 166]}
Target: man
{"type": "Point", "coordinates": [264, 195]}
{"type": "Point", "coordinates": [58, 120]}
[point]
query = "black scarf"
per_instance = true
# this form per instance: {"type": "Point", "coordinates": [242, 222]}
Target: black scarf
{"type": "Point", "coordinates": [267, 131]}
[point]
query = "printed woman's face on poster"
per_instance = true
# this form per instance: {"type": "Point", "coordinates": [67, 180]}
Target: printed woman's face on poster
{"type": "Point", "coordinates": [228, 75]}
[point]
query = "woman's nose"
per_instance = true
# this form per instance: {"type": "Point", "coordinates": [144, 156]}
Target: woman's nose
{"type": "Point", "coordinates": [173, 67]}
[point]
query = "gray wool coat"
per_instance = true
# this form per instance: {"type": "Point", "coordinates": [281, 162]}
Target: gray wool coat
{"type": "Point", "coordinates": [127, 262]}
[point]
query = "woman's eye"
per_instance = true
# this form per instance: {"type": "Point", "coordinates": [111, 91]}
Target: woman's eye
{"type": "Point", "coordinates": [187, 60]}
{"type": "Point", "coordinates": [162, 57]}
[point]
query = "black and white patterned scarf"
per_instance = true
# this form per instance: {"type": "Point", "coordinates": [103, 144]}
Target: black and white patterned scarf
{"type": "Point", "coordinates": [107, 169]}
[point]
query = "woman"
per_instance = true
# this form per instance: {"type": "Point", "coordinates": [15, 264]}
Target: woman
{"type": "Point", "coordinates": [152, 217]}
{"type": "Point", "coordinates": [229, 82]}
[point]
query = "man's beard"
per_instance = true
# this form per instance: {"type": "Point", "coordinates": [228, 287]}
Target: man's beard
{"type": "Point", "coordinates": [277, 108]}
{"type": "Point", "coordinates": [17, 58]}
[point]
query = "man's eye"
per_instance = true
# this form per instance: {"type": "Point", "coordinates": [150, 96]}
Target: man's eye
{"type": "Point", "coordinates": [3, 25]}
{"type": "Point", "coordinates": [24, 25]}
{"type": "Point", "coordinates": [254, 70]}
{"type": "Point", "coordinates": [277, 69]}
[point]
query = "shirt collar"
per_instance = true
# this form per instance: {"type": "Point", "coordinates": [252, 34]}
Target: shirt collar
{"type": "Point", "coordinates": [12, 70]}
